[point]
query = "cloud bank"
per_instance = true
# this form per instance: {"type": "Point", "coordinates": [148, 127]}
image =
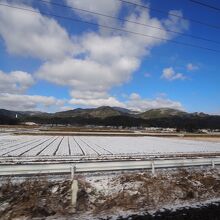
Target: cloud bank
{"type": "Point", "coordinates": [92, 63]}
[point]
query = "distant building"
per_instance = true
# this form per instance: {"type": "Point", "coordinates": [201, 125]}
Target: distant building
{"type": "Point", "coordinates": [30, 123]}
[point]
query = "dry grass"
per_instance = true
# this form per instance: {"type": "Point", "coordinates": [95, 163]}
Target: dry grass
{"type": "Point", "coordinates": [144, 191]}
{"type": "Point", "coordinates": [126, 191]}
{"type": "Point", "coordinates": [34, 198]}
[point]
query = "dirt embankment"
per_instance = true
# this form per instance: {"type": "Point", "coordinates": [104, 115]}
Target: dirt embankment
{"type": "Point", "coordinates": [34, 198]}
{"type": "Point", "coordinates": [144, 192]}
{"type": "Point", "coordinates": [101, 196]}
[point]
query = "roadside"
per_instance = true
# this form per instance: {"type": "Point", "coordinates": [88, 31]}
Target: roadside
{"type": "Point", "coordinates": [208, 211]}
{"type": "Point", "coordinates": [108, 194]}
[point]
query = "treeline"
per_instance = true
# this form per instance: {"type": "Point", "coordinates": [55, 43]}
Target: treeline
{"type": "Point", "coordinates": [191, 124]}
{"type": "Point", "coordinates": [124, 121]}
{"type": "Point", "coordinates": [182, 123]}
{"type": "Point", "coordinates": [6, 120]}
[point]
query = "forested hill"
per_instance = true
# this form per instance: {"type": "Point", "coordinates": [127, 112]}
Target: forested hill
{"type": "Point", "coordinates": [114, 116]}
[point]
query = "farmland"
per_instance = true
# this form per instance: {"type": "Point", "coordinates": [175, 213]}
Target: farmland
{"type": "Point", "coordinates": [126, 184]}
{"type": "Point", "coordinates": [101, 146]}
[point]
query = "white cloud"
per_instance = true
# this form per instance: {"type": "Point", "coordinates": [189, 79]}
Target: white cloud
{"type": "Point", "coordinates": [107, 7]}
{"type": "Point", "coordinates": [65, 108]}
{"type": "Point", "coordinates": [89, 94]}
{"type": "Point", "coordinates": [105, 60]}
{"type": "Point", "coordinates": [89, 64]}
{"type": "Point", "coordinates": [192, 67]}
{"type": "Point", "coordinates": [174, 23]}
{"type": "Point", "coordinates": [109, 101]}
{"type": "Point", "coordinates": [88, 75]}
{"type": "Point", "coordinates": [170, 74]}
{"type": "Point", "coordinates": [103, 6]}
{"type": "Point", "coordinates": [15, 82]}
{"type": "Point", "coordinates": [134, 96]}
{"type": "Point", "coordinates": [28, 102]}
{"type": "Point", "coordinates": [31, 34]}
{"type": "Point", "coordinates": [13, 85]}
{"type": "Point", "coordinates": [135, 102]}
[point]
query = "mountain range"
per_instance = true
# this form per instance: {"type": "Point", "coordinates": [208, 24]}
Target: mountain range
{"type": "Point", "coordinates": [104, 112]}
{"type": "Point", "coordinates": [115, 116]}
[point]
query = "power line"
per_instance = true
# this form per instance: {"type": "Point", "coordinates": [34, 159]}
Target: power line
{"type": "Point", "coordinates": [171, 14]}
{"type": "Point", "coordinates": [130, 21]}
{"type": "Point", "coordinates": [111, 28]}
{"type": "Point", "coordinates": [205, 5]}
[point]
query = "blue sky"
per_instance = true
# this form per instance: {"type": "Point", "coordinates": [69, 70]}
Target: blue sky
{"type": "Point", "coordinates": [52, 64]}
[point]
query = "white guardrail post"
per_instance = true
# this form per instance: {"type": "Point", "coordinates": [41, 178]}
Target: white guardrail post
{"type": "Point", "coordinates": [74, 189]}
{"type": "Point", "coordinates": [153, 167]}
{"type": "Point", "coordinates": [213, 164]}
{"type": "Point", "coordinates": [72, 171]}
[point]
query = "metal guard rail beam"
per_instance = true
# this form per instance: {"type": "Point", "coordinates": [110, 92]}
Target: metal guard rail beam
{"type": "Point", "coordinates": [30, 169]}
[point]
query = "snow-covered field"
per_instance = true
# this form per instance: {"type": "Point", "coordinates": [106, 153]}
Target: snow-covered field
{"type": "Point", "coordinates": [27, 145]}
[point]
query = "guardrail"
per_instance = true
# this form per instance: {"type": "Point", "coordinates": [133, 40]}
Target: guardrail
{"type": "Point", "coordinates": [30, 169]}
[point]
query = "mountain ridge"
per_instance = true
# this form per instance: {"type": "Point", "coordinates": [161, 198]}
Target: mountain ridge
{"type": "Point", "coordinates": [110, 116]}
{"type": "Point", "coordinates": [106, 111]}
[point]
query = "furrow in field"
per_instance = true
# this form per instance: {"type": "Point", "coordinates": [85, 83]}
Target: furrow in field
{"type": "Point", "coordinates": [102, 145]}
{"type": "Point", "coordinates": [86, 148]}
{"type": "Point", "coordinates": [95, 146]}
{"type": "Point", "coordinates": [5, 142]}
{"type": "Point", "coordinates": [45, 141]}
{"type": "Point", "coordinates": [122, 145]}
{"type": "Point", "coordinates": [76, 149]}
{"type": "Point", "coordinates": [26, 148]}
{"type": "Point", "coordinates": [64, 147]}
{"type": "Point", "coordinates": [69, 146]}
{"type": "Point", "coordinates": [153, 145]}
{"type": "Point", "coordinates": [51, 149]}
{"type": "Point", "coordinates": [42, 147]}
{"type": "Point", "coordinates": [55, 152]}
{"type": "Point", "coordinates": [15, 151]}
{"type": "Point", "coordinates": [88, 145]}
{"type": "Point", "coordinates": [16, 143]}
